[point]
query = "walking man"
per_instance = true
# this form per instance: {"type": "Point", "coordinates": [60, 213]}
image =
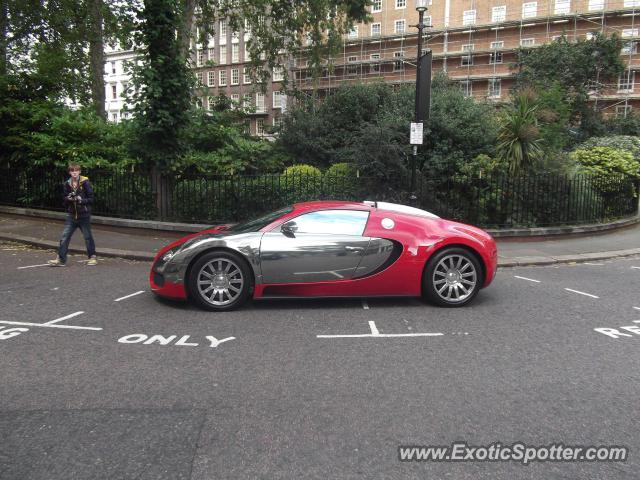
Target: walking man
{"type": "Point", "coordinates": [77, 199]}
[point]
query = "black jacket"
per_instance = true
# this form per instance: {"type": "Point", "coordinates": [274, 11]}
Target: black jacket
{"type": "Point", "coordinates": [83, 192]}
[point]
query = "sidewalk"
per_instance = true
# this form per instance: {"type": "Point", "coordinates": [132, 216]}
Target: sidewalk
{"type": "Point", "coordinates": [142, 244]}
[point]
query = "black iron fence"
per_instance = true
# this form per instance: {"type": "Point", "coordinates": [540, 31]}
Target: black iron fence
{"type": "Point", "coordinates": [490, 200]}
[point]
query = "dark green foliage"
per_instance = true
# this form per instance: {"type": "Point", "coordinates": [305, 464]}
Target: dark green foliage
{"type": "Point", "coordinates": [162, 101]}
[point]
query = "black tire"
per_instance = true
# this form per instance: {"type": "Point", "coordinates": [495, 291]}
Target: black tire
{"type": "Point", "coordinates": [452, 277]}
{"type": "Point", "coordinates": [219, 281]}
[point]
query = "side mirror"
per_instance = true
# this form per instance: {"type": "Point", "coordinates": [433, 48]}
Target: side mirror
{"type": "Point", "coordinates": [289, 228]}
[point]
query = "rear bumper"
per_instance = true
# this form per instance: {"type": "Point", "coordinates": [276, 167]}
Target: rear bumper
{"type": "Point", "coordinates": [166, 289]}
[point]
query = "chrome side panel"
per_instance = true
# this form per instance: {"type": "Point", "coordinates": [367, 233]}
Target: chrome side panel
{"type": "Point", "coordinates": [246, 244]}
{"type": "Point", "coordinates": [310, 257]}
{"type": "Point", "coordinates": [379, 252]}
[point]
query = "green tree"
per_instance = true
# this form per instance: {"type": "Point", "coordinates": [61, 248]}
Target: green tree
{"type": "Point", "coordinates": [519, 141]}
{"type": "Point", "coordinates": [573, 69]}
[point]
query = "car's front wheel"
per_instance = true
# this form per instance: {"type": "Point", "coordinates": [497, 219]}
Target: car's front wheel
{"type": "Point", "coordinates": [219, 281]}
{"type": "Point", "coordinates": [452, 277]}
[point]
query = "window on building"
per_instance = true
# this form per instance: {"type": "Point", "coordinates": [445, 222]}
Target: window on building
{"type": "Point", "coordinates": [631, 3]}
{"type": "Point", "coordinates": [277, 121]}
{"type": "Point", "coordinates": [400, 26]}
{"type": "Point", "coordinates": [499, 14]}
{"type": "Point", "coordinates": [596, 5]}
{"type": "Point", "coordinates": [529, 9]}
{"type": "Point", "coordinates": [376, 6]}
{"type": "Point", "coordinates": [623, 110]}
{"type": "Point", "coordinates": [401, 3]}
{"type": "Point", "coordinates": [352, 69]}
{"type": "Point", "coordinates": [223, 28]}
{"type": "Point", "coordinates": [466, 86]}
{"type": "Point", "coordinates": [277, 74]}
{"type": "Point", "coordinates": [125, 88]}
{"type": "Point", "coordinates": [114, 92]}
{"type": "Point", "coordinates": [200, 78]}
{"type": "Point", "coordinates": [235, 53]}
{"type": "Point", "coordinates": [247, 101]}
{"type": "Point", "coordinates": [198, 102]}
{"type": "Point", "coordinates": [469, 47]}
{"type": "Point", "coordinates": [590, 35]}
{"type": "Point", "coordinates": [235, 99]}
{"type": "Point", "coordinates": [235, 76]}
{"type": "Point", "coordinates": [494, 88]}
{"type": "Point", "coordinates": [212, 54]}
{"type": "Point", "coordinates": [200, 57]}
{"type": "Point", "coordinates": [630, 32]}
{"type": "Point", "coordinates": [495, 57]}
{"type": "Point", "coordinates": [374, 67]}
{"type": "Point", "coordinates": [246, 78]}
{"type": "Point", "coordinates": [353, 33]}
{"type": "Point", "coordinates": [211, 102]}
{"type": "Point", "coordinates": [427, 21]}
{"type": "Point", "coordinates": [562, 7]}
{"type": "Point", "coordinates": [260, 127]}
{"type": "Point", "coordinates": [527, 42]}
{"type": "Point", "coordinates": [629, 47]}
{"type": "Point", "coordinates": [376, 29]}
{"type": "Point", "coordinates": [277, 99]}
{"type": "Point", "coordinates": [114, 117]}
{"type": "Point", "coordinates": [626, 81]}
{"type": "Point", "coordinates": [398, 63]}
{"type": "Point", "coordinates": [466, 60]}
{"type": "Point", "coordinates": [113, 68]}
{"type": "Point", "coordinates": [211, 78]}
{"type": "Point", "coordinates": [223, 54]}
{"type": "Point", "coordinates": [222, 78]}
{"type": "Point", "coordinates": [469, 17]}
{"type": "Point", "coordinates": [497, 45]}
{"type": "Point", "coordinates": [260, 102]}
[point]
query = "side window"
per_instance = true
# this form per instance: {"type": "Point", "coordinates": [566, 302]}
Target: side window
{"type": "Point", "coordinates": [340, 222]}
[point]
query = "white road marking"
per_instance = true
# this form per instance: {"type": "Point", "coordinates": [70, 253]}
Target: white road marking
{"type": "Point", "coordinates": [129, 296]}
{"type": "Point", "coordinates": [374, 329]}
{"type": "Point", "coordinates": [45, 325]}
{"type": "Point", "coordinates": [64, 318]}
{"type": "Point", "coordinates": [34, 266]}
{"type": "Point", "coordinates": [528, 279]}
{"type": "Point", "coordinates": [636, 321]}
{"type": "Point", "coordinates": [637, 268]}
{"type": "Point", "coordinates": [365, 305]}
{"type": "Point", "coordinates": [380, 335]}
{"type": "Point", "coordinates": [581, 293]}
{"type": "Point", "coordinates": [637, 308]}
{"type": "Point", "coordinates": [594, 264]}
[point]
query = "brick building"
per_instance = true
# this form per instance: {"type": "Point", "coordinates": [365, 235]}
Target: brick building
{"type": "Point", "coordinates": [474, 42]}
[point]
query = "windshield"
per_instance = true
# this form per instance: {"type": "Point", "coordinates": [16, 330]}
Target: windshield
{"type": "Point", "coordinates": [257, 223]}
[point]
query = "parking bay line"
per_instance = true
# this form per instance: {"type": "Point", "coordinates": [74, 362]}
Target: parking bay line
{"type": "Point", "coordinates": [376, 334]}
{"type": "Point", "coordinates": [528, 279]}
{"type": "Point", "coordinates": [129, 296]}
{"type": "Point", "coordinates": [64, 318]}
{"type": "Point", "coordinates": [581, 293]}
{"type": "Point", "coordinates": [34, 266]}
{"type": "Point", "coordinates": [45, 325]}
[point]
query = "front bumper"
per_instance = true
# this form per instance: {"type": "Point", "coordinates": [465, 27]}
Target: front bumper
{"type": "Point", "coordinates": [160, 286]}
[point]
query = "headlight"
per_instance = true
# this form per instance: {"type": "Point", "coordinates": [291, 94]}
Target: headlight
{"type": "Point", "coordinates": [168, 256]}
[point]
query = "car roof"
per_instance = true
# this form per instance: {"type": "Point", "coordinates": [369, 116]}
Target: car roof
{"type": "Point", "coordinates": [366, 205]}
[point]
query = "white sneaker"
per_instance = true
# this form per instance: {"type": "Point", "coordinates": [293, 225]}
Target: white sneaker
{"type": "Point", "coordinates": [56, 262]}
{"type": "Point", "coordinates": [92, 261]}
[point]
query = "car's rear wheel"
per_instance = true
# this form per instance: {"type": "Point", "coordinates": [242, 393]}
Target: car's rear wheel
{"type": "Point", "coordinates": [452, 277]}
{"type": "Point", "coordinates": [219, 281]}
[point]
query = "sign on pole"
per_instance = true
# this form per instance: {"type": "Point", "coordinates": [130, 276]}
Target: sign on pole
{"type": "Point", "coordinates": [416, 133]}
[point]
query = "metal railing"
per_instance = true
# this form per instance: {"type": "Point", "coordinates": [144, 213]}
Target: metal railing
{"type": "Point", "coordinates": [498, 201]}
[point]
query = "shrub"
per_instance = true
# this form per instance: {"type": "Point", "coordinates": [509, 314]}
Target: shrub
{"type": "Point", "coordinates": [625, 143]}
{"type": "Point", "coordinates": [605, 161]}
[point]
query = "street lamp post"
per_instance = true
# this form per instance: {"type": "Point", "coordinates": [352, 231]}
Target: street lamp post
{"type": "Point", "coordinates": [421, 7]}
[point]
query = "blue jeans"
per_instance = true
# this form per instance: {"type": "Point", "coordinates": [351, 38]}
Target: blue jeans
{"type": "Point", "coordinates": [70, 225]}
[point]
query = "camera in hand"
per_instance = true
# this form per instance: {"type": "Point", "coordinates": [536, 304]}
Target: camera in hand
{"type": "Point", "coordinates": [73, 197]}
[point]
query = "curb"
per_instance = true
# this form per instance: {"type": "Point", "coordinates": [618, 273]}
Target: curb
{"type": "Point", "coordinates": [100, 252]}
{"type": "Point", "coordinates": [502, 262]}
{"type": "Point", "coordinates": [196, 227]}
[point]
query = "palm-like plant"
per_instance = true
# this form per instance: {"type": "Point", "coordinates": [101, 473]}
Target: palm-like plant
{"type": "Point", "coordinates": [519, 142]}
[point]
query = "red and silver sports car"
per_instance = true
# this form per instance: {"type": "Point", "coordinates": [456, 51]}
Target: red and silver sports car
{"type": "Point", "coordinates": [329, 249]}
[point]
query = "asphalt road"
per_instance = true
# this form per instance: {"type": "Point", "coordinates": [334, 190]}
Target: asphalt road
{"type": "Point", "coordinates": [272, 391]}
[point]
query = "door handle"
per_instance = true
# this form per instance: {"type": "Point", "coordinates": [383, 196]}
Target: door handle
{"type": "Point", "coordinates": [354, 249]}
